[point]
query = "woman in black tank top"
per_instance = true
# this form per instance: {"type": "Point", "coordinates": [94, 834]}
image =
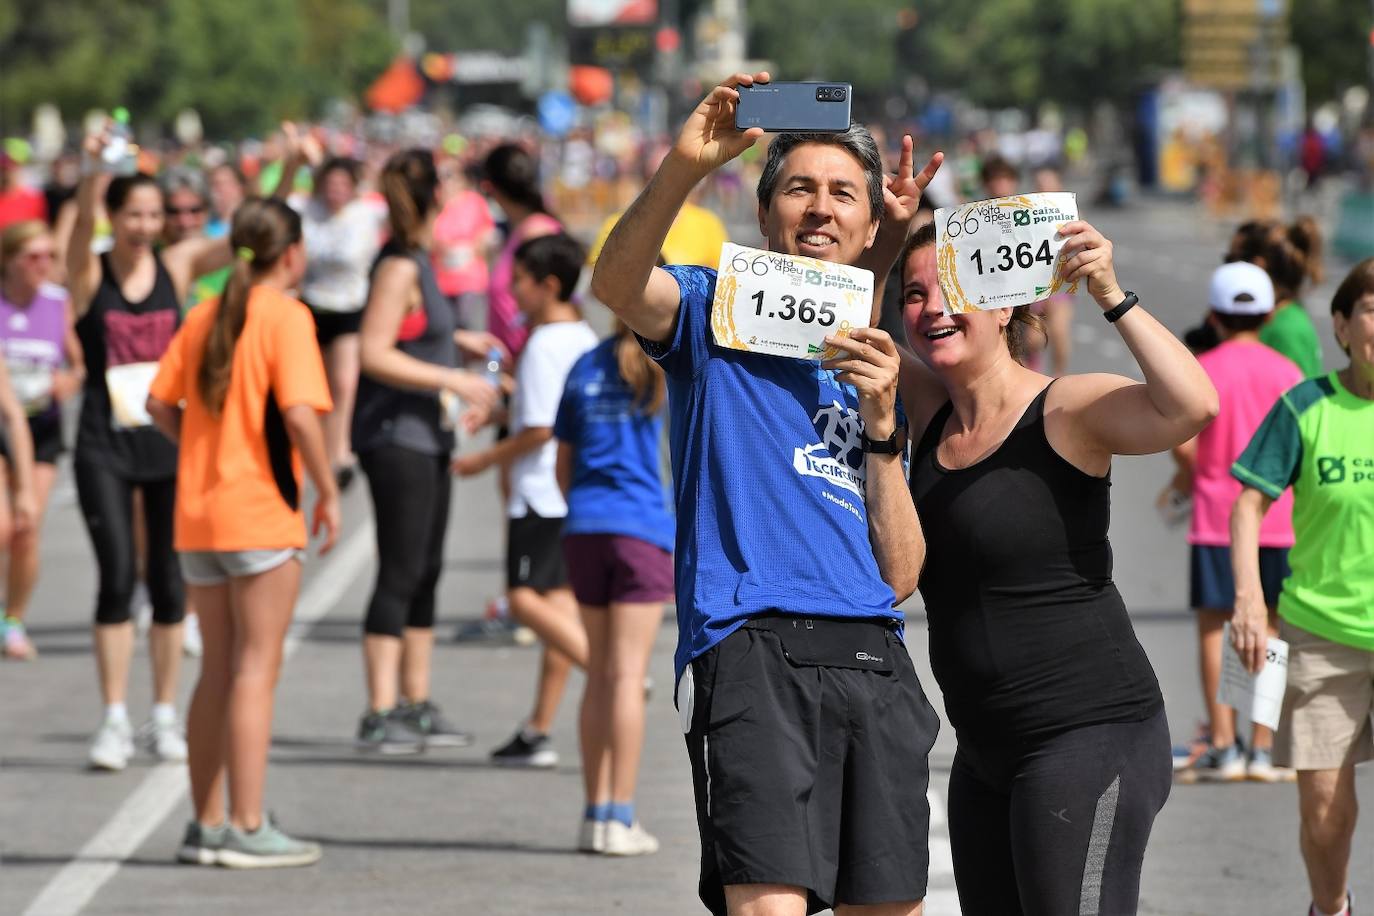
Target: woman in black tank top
{"type": "Point", "coordinates": [127, 305]}
{"type": "Point", "coordinates": [1063, 749]}
{"type": "Point", "coordinates": [403, 433]}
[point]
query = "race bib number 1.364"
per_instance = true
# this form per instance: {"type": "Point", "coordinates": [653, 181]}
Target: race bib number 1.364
{"type": "Point", "coordinates": [1001, 252]}
{"type": "Point", "coordinates": [784, 305]}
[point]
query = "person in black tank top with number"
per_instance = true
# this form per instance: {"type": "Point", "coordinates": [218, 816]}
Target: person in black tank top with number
{"type": "Point", "coordinates": [403, 433]}
{"type": "Point", "coordinates": [1063, 758]}
{"type": "Point", "coordinates": [127, 305]}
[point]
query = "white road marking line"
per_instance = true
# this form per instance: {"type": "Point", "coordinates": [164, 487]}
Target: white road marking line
{"type": "Point", "coordinates": [167, 784]}
{"type": "Point", "coordinates": [941, 855]}
{"type": "Point", "coordinates": [940, 901]}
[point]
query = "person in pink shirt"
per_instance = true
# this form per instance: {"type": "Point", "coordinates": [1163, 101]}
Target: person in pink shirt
{"type": "Point", "coordinates": [510, 176]}
{"type": "Point", "coordinates": [464, 233]}
{"type": "Point", "coordinates": [1249, 378]}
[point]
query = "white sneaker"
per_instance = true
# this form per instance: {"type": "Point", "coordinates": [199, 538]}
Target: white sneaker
{"type": "Point", "coordinates": [191, 644]}
{"type": "Point", "coordinates": [165, 739]}
{"type": "Point", "coordinates": [629, 841]}
{"type": "Point", "coordinates": [113, 745]}
{"type": "Point", "coordinates": [591, 836]}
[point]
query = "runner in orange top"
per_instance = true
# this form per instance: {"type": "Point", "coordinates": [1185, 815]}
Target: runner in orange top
{"type": "Point", "coordinates": [241, 388]}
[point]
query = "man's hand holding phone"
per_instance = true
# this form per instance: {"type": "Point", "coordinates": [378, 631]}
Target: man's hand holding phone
{"type": "Point", "coordinates": [709, 139]}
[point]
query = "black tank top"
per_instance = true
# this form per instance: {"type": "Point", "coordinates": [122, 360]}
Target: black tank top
{"type": "Point", "coordinates": [385, 415]}
{"type": "Point", "coordinates": [1028, 635]}
{"type": "Point", "coordinates": [116, 333]}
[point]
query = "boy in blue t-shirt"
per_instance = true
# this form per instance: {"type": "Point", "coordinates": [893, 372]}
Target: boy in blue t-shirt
{"type": "Point", "coordinates": [807, 729]}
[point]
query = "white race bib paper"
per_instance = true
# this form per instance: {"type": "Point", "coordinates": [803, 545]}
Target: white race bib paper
{"type": "Point", "coordinates": [786, 305]}
{"type": "Point", "coordinates": [128, 386]}
{"type": "Point", "coordinates": [1002, 252]}
{"type": "Point", "coordinates": [1260, 695]}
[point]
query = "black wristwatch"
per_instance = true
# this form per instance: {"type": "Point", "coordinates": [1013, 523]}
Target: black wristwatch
{"type": "Point", "coordinates": [892, 445]}
{"type": "Point", "coordinates": [1125, 306]}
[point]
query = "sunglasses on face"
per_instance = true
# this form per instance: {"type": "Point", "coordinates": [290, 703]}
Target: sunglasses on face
{"type": "Point", "coordinates": [37, 256]}
{"type": "Point", "coordinates": [197, 210]}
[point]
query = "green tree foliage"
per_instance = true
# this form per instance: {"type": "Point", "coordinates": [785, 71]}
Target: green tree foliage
{"type": "Point", "coordinates": [822, 39]}
{"type": "Point", "coordinates": [1333, 36]}
{"type": "Point", "coordinates": [473, 26]}
{"type": "Point", "coordinates": [1023, 52]}
{"type": "Point", "coordinates": [243, 64]}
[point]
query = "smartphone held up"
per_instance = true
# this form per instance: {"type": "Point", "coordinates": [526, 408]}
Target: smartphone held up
{"type": "Point", "coordinates": [800, 107]}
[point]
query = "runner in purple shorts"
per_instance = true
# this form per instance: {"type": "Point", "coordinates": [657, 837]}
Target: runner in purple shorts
{"type": "Point", "coordinates": [617, 541]}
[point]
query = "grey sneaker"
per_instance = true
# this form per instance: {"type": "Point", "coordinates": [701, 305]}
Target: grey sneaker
{"type": "Point", "coordinates": [267, 847]}
{"type": "Point", "coordinates": [388, 733]}
{"type": "Point", "coordinates": [201, 844]}
{"type": "Point", "coordinates": [424, 717]}
{"type": "Point", "coordinates": [1217, 764]}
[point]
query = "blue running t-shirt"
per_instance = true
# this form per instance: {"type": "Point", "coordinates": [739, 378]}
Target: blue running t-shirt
{"type": "Point", "coordinates": [617, 485]}
{"type": "Point", "coordinates": [768, 474]}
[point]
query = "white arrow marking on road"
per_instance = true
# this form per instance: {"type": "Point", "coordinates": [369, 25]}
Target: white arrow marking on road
{"type": "Point", "coordinates": [168, 783]}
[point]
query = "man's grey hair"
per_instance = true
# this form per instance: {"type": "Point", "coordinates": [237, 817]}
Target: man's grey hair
{"type": "Point", "coordinates": [180, 178]}
{"type": "Point", "coordinates": [856, 141]}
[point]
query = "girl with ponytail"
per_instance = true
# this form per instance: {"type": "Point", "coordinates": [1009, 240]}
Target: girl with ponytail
{"type": "Point", "coordinates": [1292, 255]}
{"type": "Point", "coordinates": [241, 389]}
{"type": "Point", "coordinates": [403, 433]}
{"type": "Point", "coordinates": [617, 544]}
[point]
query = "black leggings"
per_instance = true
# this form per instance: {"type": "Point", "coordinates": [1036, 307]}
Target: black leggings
{"type": "Point", "coordinates": [1058, 826]}
{"type": "Point", "coordinates": [410, 494]}
{"type": "Point", "coordinates": [107, 505]}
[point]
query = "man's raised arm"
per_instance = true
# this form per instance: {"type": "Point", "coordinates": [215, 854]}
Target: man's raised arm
{"type": "Point", "coordinates": [643, 296]}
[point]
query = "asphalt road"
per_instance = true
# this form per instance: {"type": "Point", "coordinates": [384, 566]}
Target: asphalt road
{"type": "Point", "coordinates": [446, 833]}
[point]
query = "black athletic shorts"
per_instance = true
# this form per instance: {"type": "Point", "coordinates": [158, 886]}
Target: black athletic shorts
{"type": "Point", "coordinates": [534, 553]}
{"type": "Point", "coordinates": [46, 430]}
{"type": "Point", "coordinates": [809, 742]}
{"type": "Point", "coordinates": [330, 326]}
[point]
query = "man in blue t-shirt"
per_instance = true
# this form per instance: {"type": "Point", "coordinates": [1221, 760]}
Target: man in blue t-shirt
{"type": "Point", "coordinates": [807, 729]}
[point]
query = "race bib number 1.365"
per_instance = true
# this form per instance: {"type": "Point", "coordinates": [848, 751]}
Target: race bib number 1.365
{"type": "Point", "coordinates": [784, 305]}
{"type": "Point", "coordinates": [1001, 252]}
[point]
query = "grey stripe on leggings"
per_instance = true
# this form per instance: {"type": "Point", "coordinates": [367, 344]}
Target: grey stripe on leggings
{"type": "Point", "coordinates": [1101, 838]}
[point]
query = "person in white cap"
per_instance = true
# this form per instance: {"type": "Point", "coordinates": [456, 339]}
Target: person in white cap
{"type": "Point", "coordinates": [1249, 378]}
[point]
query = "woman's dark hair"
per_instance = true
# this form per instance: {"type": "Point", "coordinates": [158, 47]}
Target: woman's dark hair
{"type": "Point", "coordinates": [1290, 254]}
{"type": "Point", "coordinates": [1356, 285]}
{"type": "Point", "coordinates": [1025, 326]}
{"type": "Point", "coordinates": [1250, 240]}
{"type": "Point", "coordinates": [1238, 324]}
{"type": "Point", "coordinates": [515, 173]}
{"type": "Point", "coordinates": [996, 166]}
{"type": "Point", "coordinates": [121, 186]}
{"type": "Point", "coordinates": [350, 167]}
{"type": "Point", "coordinates": [558, 255]}
{"type": "Point", "coordinates": [263, 229]}
{"type": "Point", "coordinates": [409, 183]}
{"type": "Point", "coordinates": [642, 374]}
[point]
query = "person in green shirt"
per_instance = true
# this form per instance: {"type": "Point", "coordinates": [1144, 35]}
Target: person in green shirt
{"type": "Point", "coordinates": [1319, 439]}
{"type": "Point", "coordinates": [1292, 255]}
